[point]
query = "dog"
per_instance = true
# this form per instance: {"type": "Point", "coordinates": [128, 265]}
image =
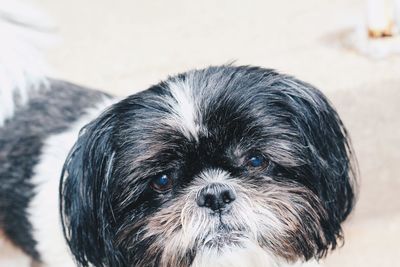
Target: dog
{"type": "Point", "coordinates": [221, 166]}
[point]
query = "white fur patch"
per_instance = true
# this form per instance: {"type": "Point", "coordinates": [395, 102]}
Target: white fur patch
{"type": "Point", "coordinates": [44, 207]}
{"type": "Point", "coordinates": [184, 108]}
{"type": "Point", "coordinates": [247, 255]}
{"type": "Point", "coordinates": [22, 65]}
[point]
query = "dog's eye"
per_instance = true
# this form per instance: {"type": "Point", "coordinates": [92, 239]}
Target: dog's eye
{"type": "Point", "coordinates": [161, 183]}
{"type": "Point", "coordinates": [257, 161]}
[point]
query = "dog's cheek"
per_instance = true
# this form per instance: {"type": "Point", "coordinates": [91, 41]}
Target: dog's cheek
{"type": "Point", "coordinates": [295, 231]}
{"type": "Point", "coordinates": [158, 238]}
{"type": "Point", "coordinates": [175, 231]}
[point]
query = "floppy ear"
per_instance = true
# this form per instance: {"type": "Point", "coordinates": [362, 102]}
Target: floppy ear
{"type": "Point", "coordinates": [330, 167]}
{"type": "Point", "coordinates": [84, 199]}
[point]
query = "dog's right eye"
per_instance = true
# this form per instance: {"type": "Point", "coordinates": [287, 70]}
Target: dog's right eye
{"type": "Point", "coordinates": [161, 183]}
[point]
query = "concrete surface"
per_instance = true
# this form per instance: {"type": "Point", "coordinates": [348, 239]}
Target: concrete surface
{"type": "Point", "coordinates": [124, 46]}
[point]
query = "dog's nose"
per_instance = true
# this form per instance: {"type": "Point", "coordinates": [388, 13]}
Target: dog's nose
{"type": "Point", "coordinates": [215, 196]}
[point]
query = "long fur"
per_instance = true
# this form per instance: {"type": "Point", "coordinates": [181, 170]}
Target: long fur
{"type": "Point", "coordinates": [209, 119]}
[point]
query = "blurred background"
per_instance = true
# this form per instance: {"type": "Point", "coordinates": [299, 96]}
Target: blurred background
{"type": "Point", "coordinates": [125, 46]}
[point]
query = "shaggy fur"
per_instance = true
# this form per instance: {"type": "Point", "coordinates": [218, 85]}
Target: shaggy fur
{"type": "Point", "coordinates": [200, 128]}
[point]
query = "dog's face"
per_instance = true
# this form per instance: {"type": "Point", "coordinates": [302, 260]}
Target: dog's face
{"type": "Point", "coordinates": [221, 166]}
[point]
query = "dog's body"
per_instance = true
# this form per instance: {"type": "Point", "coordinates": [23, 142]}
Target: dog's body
{"type": "Point", "coordinates": [224, 166]}
{"type": "Point", "coordinates": [31, 163]}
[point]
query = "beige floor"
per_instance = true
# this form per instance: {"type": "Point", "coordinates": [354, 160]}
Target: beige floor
{"type": "Point", "coordinates": [124, 46]}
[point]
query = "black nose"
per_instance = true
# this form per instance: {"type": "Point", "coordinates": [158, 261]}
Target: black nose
{"type": "Point", "coordinates": [215, 196]}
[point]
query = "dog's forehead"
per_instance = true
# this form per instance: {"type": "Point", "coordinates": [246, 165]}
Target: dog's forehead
{"type": "Point", "coordinates": [188, 116]}
{"type": "Point", "coordinates": [204, 105]}
{"type": "Point", "coordinates": [225, 111]}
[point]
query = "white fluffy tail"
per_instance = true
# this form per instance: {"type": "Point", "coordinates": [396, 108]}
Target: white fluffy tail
{"type": "Point", "coordinates": [24, 33]}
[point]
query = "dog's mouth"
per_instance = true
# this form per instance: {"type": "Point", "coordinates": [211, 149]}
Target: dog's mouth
{"type": "Point", "coordinates": [222, 240]}
{"type": "Point", "coordinates": [224, 237]}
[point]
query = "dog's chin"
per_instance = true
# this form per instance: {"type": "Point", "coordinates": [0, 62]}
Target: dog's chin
{"type": "Point", "coordinates": [226, 247]}
{"type": "Point", "coordinates": [232, 249]}
{"type": "Point", "coordinates": [224, 239]}
{"type": "Point", "coordinates": [223, 234]}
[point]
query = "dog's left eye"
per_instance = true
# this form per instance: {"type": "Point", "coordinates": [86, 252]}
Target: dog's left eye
{"type": "Point", "coordinates": [256, 161]}
{"type": "Point", "coordinates": [161, 183]}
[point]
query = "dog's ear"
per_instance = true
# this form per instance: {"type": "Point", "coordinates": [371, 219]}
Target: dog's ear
{"type": "Point", "coordinates": [84, 199]}
{"type": "Point", "coordinates": [330, 167]}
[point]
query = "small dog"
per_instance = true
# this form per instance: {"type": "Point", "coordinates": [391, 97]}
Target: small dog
{"type": "Point", "coordinates": [222, 166]}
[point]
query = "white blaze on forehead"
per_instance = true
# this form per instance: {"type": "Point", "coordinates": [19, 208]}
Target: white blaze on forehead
{"type": "Point", "coordinates": [184, 108]}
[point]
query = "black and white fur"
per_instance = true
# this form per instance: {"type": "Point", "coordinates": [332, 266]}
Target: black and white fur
{"type": "Point", "coordinates": [200, 129]}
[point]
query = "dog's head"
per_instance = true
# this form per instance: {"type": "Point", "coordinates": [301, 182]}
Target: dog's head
{"type": "Point", "coordinates": [225, 164]}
